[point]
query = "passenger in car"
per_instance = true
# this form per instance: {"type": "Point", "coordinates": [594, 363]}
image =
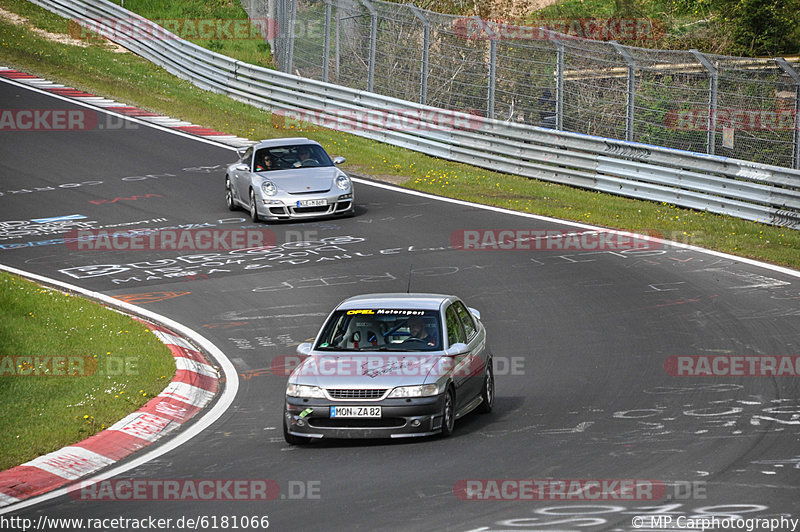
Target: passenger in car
{"type": "Point", "coordinates": [266, 163]}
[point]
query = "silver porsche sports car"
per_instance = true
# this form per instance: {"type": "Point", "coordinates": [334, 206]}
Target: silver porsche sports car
{"type": "Point", "coordinates": [390, 366]}
{"type": "Point", "coordinates": [290, 178]}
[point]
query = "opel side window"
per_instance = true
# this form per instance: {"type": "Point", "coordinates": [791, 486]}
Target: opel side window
{"type": "Point", "coordinates": [466, 319]}
{"type": "Point", "coordinates": [455, 331]}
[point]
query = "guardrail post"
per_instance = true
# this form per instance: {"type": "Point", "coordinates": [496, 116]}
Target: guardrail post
{"type": "Point", "coordinates": [373, 39]}
{"type": "Point", "coordinates": [326, 42]}
{"type": "Point", "coordinates": [713, 77]}
{"type": "Point", "coordinates": [786, 67]}
{"type": "Point", "coordinates": [492, 77]}
{"type": "Point", "coordinates": [559, 85]}
{"type": "Point", "coordinates": [426, 44]}
{"type": "Point", "coordinates": [631, 88]}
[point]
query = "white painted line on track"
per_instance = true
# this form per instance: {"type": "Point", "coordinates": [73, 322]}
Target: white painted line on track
{"type": "Point", "coordinates": [752, 262]}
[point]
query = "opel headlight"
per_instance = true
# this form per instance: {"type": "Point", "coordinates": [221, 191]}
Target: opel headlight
{"type": "Point", "coordinates": [269, 188]}
{"type": "Point", "coordinates": [342, 181]}
{"type": "Point", "coordinates": [425, 390]}
{"type": "Point", "coordinates": [302, 390]}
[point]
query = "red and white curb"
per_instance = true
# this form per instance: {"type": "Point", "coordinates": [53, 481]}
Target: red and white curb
{"type": "Point", "coordinates": [121, 108]}
{"type": "Point", "coordinates": [193, 387]}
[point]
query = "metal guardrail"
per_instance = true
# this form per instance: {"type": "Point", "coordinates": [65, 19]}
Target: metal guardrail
{"type": "Point", "coordinates": [747, 190]}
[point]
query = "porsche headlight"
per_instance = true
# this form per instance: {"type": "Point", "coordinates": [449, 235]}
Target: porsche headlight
{"type": "Point", "coordinates": [342, 181]}
{"type": "Point", "coordinates": [425, 390]}
{"type": "Point", "coordinates": [269, 188]}
{"type": "Point", "coordinates": [302, 390]}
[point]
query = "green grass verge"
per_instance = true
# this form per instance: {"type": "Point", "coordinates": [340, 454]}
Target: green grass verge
{"type": "Point", "coordinates": [69, 368]}
{"type": "Point", "coordinates": [219, 25]}
{"type": "Point", "coordinates": [130, 79]}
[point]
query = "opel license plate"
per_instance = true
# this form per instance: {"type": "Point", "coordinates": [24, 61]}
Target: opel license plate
{"type": "Point", "coordinates": [355, 411]}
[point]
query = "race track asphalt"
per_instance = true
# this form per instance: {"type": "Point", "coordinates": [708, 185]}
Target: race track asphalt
{"type": "Point", "coordinates": [580, 339]}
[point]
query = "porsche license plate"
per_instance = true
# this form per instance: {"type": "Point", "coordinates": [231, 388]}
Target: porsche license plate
{"type": "Point", "coordinates": [355, 411]}
{"type": "Point", "coordinates": [312, 203]}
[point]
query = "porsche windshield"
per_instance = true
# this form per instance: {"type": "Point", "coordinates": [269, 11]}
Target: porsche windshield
{"type": "Point", "coordinates": [287, 157]}
{"type": "Point", "coordinates": [381, 329]}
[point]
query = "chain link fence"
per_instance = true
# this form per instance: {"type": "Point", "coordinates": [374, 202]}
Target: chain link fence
{"type": "Point", "coordinates": [736, 107]}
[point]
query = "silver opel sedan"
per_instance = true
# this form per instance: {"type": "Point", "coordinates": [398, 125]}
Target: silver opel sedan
{"type": "Point", "coordinates": [282, 179]}
{"type": "Point", "coordinates": [390, 366]}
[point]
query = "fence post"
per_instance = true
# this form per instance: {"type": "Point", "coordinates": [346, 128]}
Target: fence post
{"type": "Point", "coordinates": [492, 77]}
{"type": "Point", "coordinates": [373, 38]}
{"type": "Point", "coordinates": [326, 42]}
{"type": "Point", "coordinates": [786, 67]}
{"type": "Point", "coordinates": [631, 88]}
{"type": "Point", "coordinates": [713, 76]}
{"type": "Point", "coordinates": [559, 85]}
{"type": "Point", "coordinates": [292, 18]}
{"type": "Point", "coordinates": [426, 44]}
{"type": "Point", "coordinates": [269, 11]}
{"type": "Point", "coordinates": [277, 45]}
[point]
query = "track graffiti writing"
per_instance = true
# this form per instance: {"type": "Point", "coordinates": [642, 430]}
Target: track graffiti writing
{"type": "Point", "coordinates": [14, 229]}
{"type": "Point", "coordinates": [727, 416]}
{"type": "Point", "coordinates": [333, 280]}
{"type": "Point", "coordinates": [280, 340]}
{"type": "Point", "coordinates": [79, 184]}
{"type": "Point", "coordinates": [62, 186]}
{"type": "Point", "coordinates": [591, 517]}
{"type": "Point", "coordinates": [208, 264]}
{"type": "Point", "coordinates": [129, 198]}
